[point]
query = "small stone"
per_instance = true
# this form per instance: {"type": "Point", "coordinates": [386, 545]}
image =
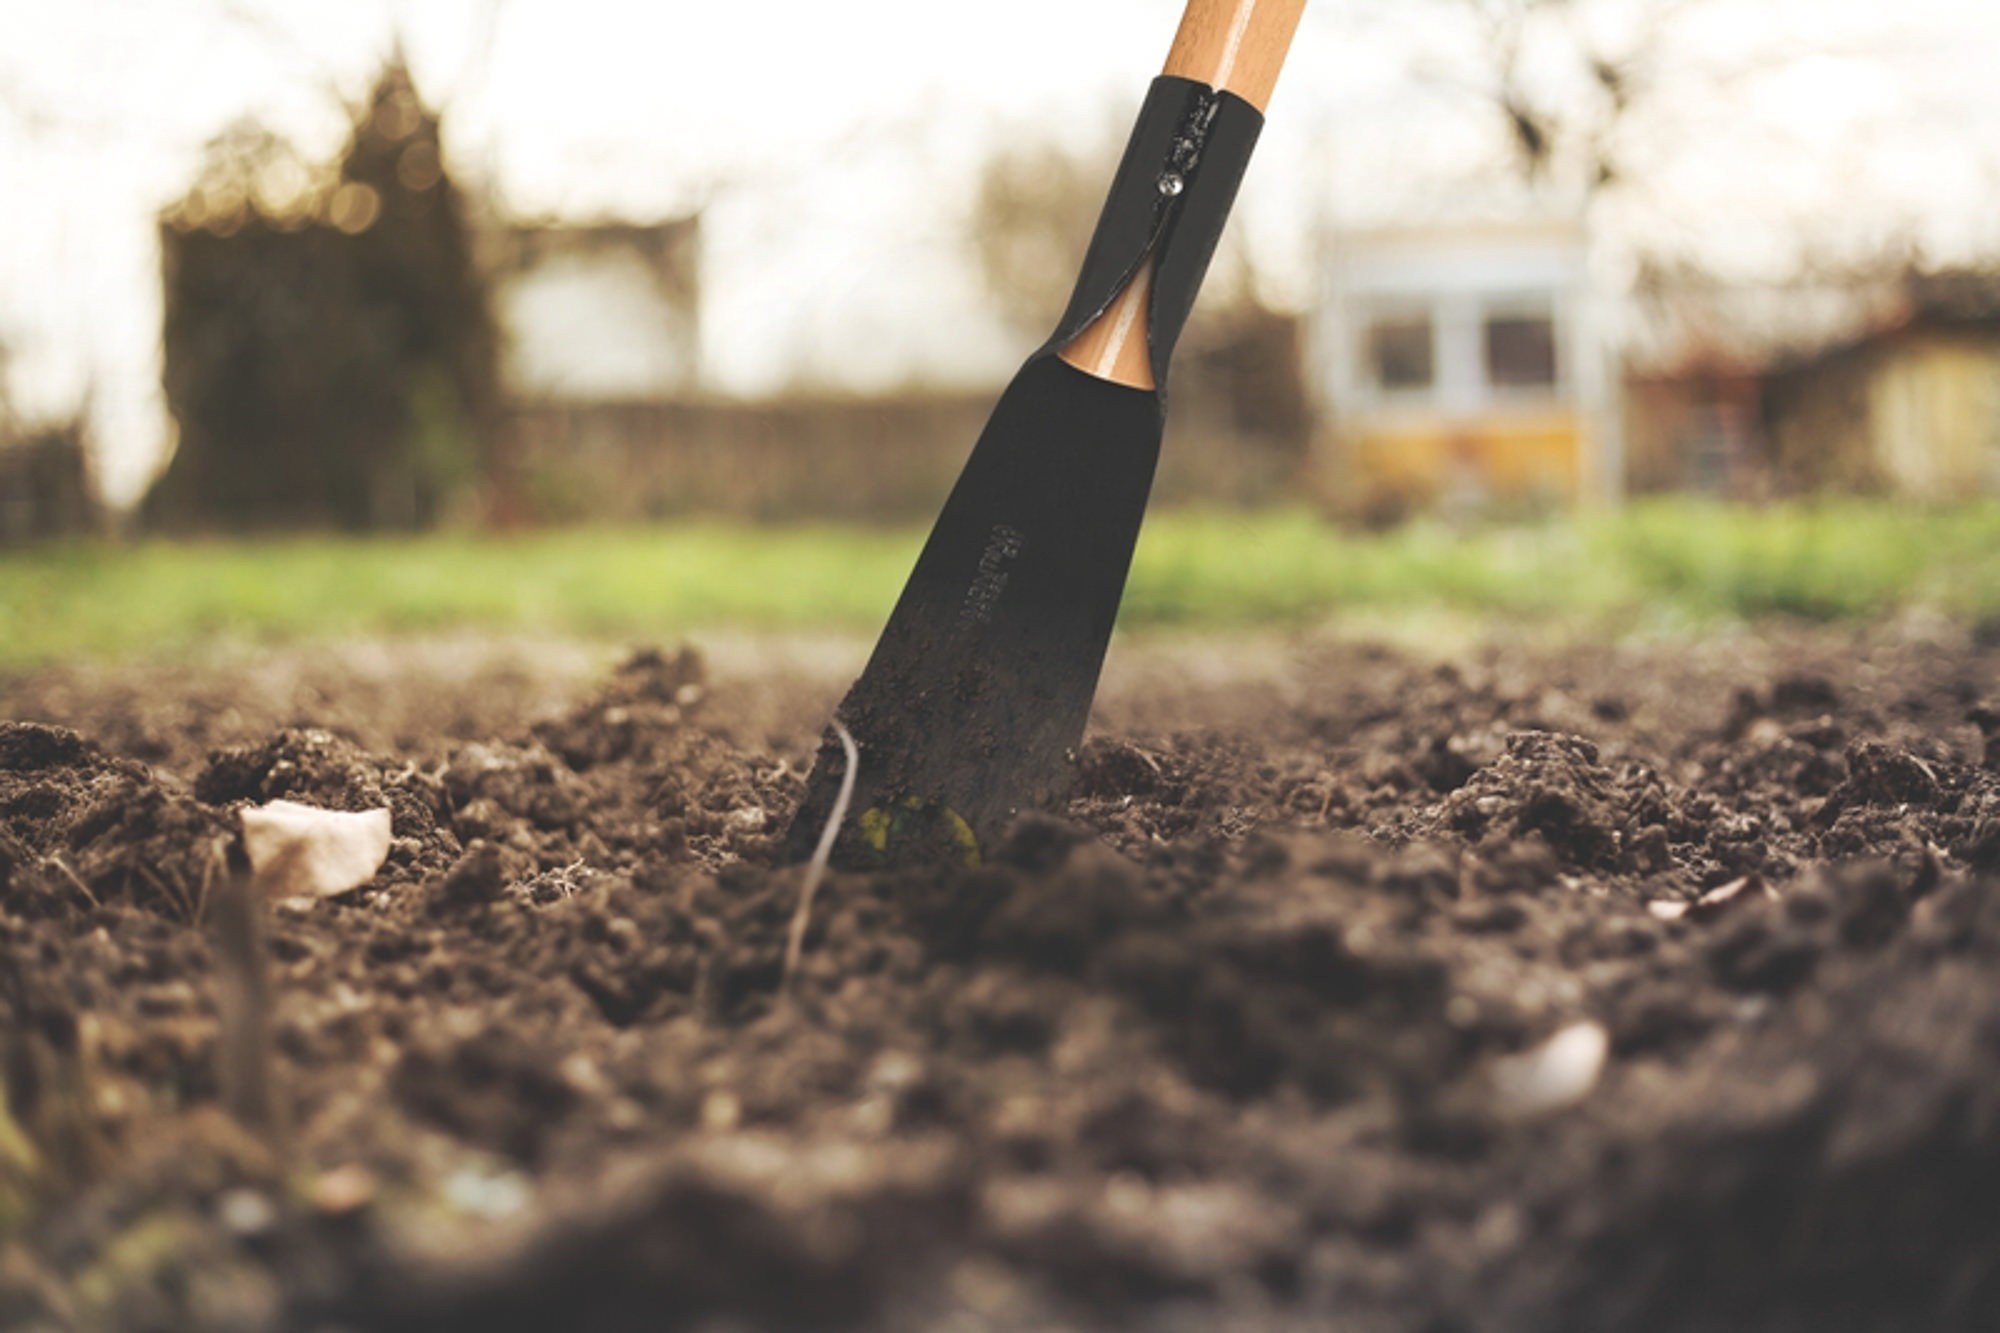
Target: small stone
{"type": "Point", "coordinates": [1555, 1075]}
{"type": "Point", "coordinates": [343, 1190]}
{"type": "Point", "coordinates": [721, 1112]}
{"type": "Point", "coordinates": [490, 1196]}
{"type": "Point", "coordinates": [247, 1212]}
{"type": "Point", "coordinates": [1764, 733]}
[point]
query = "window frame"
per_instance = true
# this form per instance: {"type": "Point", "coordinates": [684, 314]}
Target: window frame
{"type": "Point", "coordinates": [1377, 315]}
{"type": "Point", "coordinates": [1523, 307]}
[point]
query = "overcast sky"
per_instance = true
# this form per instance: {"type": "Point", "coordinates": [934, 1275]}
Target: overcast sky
{"type": "Point", "coordinates": [834, 145]}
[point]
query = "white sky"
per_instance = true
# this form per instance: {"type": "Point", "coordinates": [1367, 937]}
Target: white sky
{"type": "Point", "coordinates": [834, 144]}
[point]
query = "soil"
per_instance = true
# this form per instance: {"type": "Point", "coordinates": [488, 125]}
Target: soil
{"type": "Point", "coordinates": [1290, 1021]}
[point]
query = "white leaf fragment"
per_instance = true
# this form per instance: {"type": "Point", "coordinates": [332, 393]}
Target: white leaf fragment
{"type": "Point", "coordinates": [1558, 1073]}
{"type": "Point", "coordinates": [301, 851]}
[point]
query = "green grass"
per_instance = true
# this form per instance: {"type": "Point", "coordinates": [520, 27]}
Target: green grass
{"type": "Point", "coordinates": [1672, 562]}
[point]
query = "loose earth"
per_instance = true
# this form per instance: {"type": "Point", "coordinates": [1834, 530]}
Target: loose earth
{"type": "Point", "coordinates": [1645, 986]}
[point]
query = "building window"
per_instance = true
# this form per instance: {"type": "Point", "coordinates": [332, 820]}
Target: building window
{"type": "Point", "coordinates": [1521, 351]}
{"type": "Point", "coordinates": [1400, 356]}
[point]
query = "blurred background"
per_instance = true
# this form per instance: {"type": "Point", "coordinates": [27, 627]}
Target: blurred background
{"type": "Point", "coordinates": [618, 318]}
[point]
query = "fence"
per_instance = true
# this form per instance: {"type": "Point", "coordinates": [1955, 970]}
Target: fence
{"type": "Point", "coordinates": [876, 459]}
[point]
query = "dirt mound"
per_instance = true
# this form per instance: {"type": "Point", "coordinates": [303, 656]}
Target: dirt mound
{"type": "Point", "coordinates": [80, 829]}
{"type": "Point", "coordinates": [1554, 788]}
{"type": "Point", "coordinates": [638, 716]}
{"type": "Point", "coordinates": [1641, 989]}
{"type": "Point", "coordinates": [320, 769]}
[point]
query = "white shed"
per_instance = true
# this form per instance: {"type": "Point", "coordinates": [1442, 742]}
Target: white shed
{"type": "Point", "coordinates": [1465, 365]}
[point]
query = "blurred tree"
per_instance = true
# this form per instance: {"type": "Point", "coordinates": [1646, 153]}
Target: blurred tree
{"type": "Point", "coordinates": [1032, 217]}
{"type": "Point", "coordinates": [6, 396]}
{"type": "Point", "coordinates": [1565, 76]}
{"type": "Point", "coordinates": [1599, 93]}
{"type": "Point", "coordinates": [45, 486]}
{"type": "Point", "coordinates": [330, 357]}
{"type": "Point", "coordinates": [45, 483]}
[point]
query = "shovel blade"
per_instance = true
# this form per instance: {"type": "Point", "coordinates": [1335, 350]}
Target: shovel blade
{"type": "Point", "coordinates": [976, 696]}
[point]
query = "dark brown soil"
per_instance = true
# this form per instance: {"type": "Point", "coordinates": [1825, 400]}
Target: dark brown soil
{"type": "Point", "coordinates": [1228, 1046]}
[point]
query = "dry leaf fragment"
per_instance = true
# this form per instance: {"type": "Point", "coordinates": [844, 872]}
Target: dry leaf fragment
{"type": "Point", "coordinates": [1711, 903]}
{"type": "Point", "coordinates": [301, 851]}
{"type": "Point", "coordinates": [1720, 897]}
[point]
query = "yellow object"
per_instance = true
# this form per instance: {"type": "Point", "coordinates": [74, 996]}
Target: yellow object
{"type": "Point", "coordinates": [874, 826]}
{"type": "Point", "coordinates": [877, 826]}
{"type": "Point", "coordinates": [1530, 457]}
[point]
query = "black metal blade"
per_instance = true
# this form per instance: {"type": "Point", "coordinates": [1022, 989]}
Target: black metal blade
{"type": "Point", "coordinates": [976, 696]}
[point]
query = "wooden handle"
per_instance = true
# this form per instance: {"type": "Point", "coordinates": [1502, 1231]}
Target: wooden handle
{"type": "Point", "coordinates": [1235, 46]}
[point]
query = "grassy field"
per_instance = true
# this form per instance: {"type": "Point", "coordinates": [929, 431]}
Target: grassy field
{"type": "Point", "coordinates": [1655, 564]}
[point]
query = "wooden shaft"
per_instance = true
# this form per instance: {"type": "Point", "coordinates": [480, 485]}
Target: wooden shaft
{"type": "Point", "coordinates": [1114, 346]}
{"type": "Point", "coordinates": [1235, 46]}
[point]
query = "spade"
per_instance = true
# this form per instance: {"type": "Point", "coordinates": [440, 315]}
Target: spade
{"type": "Point", "coordinates": [974, 701]}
